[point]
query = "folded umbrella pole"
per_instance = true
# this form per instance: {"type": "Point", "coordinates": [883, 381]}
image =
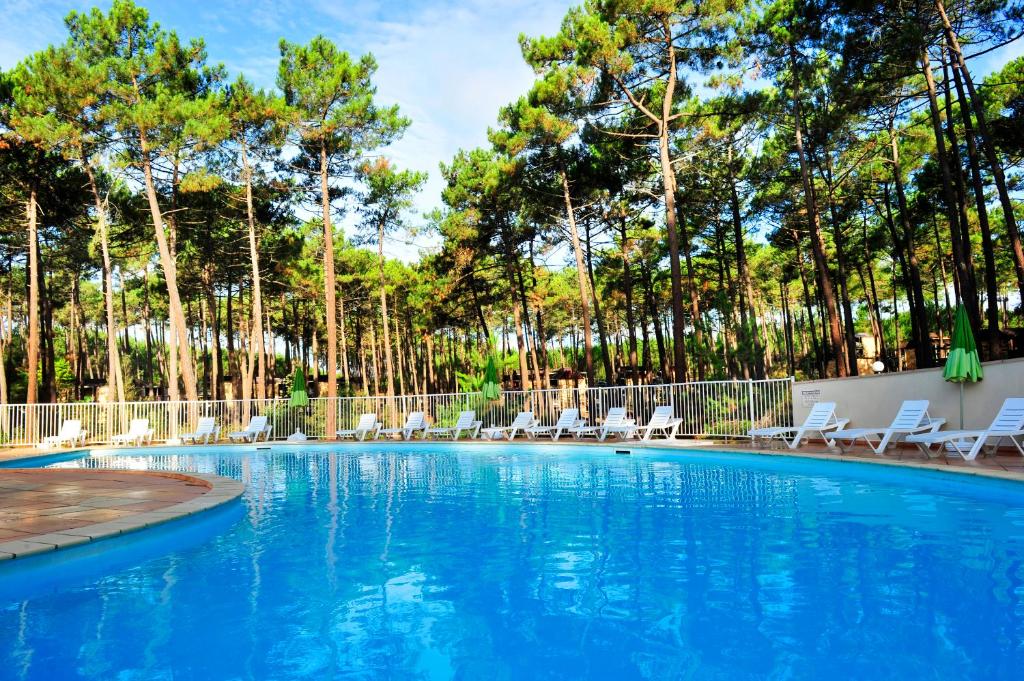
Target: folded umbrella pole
{"type": "Point", "coordinates": [963, 363]}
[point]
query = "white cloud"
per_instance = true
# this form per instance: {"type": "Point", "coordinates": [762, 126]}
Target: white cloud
{"type": "Point", "coordinates": [450, 68]}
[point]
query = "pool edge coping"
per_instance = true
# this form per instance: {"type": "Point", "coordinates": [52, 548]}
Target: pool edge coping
{"type": "Point", "coordinates": [222, 490]}
{"type": "Point", "coordinates": [941, 465]}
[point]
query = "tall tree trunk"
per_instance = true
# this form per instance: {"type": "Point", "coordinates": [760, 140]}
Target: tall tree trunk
{"type": "Point", "coordinates": [398, 350]}
{"type": "Point", "coordinates": [428, 341]}
{"type": "Point", "coordinates": [842, 272]}
{"type": "Point", "coordinates": [411, 349]}
{"type": "Point", "coordinates": [32, 349]}
{"type": "Point", "coordinates": [179, 329]}
{"type": "Point", "coordinates": [819, 356]}
{"type": "Point", "coordinates": [361, 349]}
{"type": "Point", "coordinates": [945, 279]}
{"type": "Point", "coordinates": [919, 312]}
{"type": "Point", "coordinates": [527, 331]}
{"type": "Point", "coordinates": [627, 289]}
{"type": "Point", "coordinates": [114, 386]}
{"type": "Point", "coordinates": [988, 148]}
{"type": "Point", "coordinates": [680, 367]}
{"type": "Point", "coordinates": [213, 322]}
{"type": "Point", "coordinates": [691, 285]}
{"type": "Point", "coordinates": [652, 307]}
{"type": "Point", "coordinates": [991, 289]}
{"type": "Point", "coordinates": [540, 341]}
{"type": "Point", "coordinates": [389, 365]}
{"type": "Point", "coordinates": [330, 303]}
{"type": "Point", "coordinates": [602, 329]}
{"type": "Point", "coordinates": [342, 327]}
{"type": "Point", "coordinates": [478, 308]}
{"type": "Point", "coordinates": [750, 327]}
{"type": "Point", "coordinates": [586, 293]}
{"type": "Point", "coordinates": [147, 315]}
{"type": "Point", "coordinates": [75, 337]}
{"type": "Point", "coordinates": [49, 391]}
{"type": "Point", "coordinates": [510, 272]}
{"type": "Point", "coordinates": [959, 186]}
{"type": "Point", "coordinates": [256, 342]}
{"type": "Point", "coordinates": [787, 320]}
{"type": "Point", "coordinates": [235, 367]}
{"type": "Point", "coordinates": [817, 242]}
{"type": "Point", "coordinates": [967, 294]}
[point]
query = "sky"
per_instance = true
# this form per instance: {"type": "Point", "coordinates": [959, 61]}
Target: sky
{"type": "Point", "coordinates": [449, 64]}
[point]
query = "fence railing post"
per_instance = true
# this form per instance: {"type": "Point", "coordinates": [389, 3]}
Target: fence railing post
{"type": "Point", "coordinates": [709, 408]}
{"type": "Point", "coordinates": [750, 401]}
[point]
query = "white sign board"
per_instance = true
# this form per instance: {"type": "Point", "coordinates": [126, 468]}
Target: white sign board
{"type": "Point", "coordinates": [808, 397]}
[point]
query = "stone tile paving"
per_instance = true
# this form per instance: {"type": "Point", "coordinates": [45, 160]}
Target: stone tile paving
{"type": "Point", "coordinates": [46, 509]}
{"type": "Point", "coordinates": [41, 501]}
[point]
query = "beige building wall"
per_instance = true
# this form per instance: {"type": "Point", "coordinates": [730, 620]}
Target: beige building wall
{"type": "Point", "coordinates": [871, 401]}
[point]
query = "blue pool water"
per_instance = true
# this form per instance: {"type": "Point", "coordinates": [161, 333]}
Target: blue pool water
{"type": "Point", "coordinates": [436, 562]}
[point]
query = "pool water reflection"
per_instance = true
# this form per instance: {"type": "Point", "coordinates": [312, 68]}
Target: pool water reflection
{"type": "Point", "coordinates": [433, 561]}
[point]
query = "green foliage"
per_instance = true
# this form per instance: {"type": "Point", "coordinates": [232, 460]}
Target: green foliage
{"type": "Point", "coordinates": [635, 104]}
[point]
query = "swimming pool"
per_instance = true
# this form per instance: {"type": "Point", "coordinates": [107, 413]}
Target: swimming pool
{"type": "Point", "coordinates": [435, 561]}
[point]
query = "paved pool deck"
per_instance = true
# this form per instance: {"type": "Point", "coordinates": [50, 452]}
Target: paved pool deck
{"type": "Point", "coordinates": [43, 510]}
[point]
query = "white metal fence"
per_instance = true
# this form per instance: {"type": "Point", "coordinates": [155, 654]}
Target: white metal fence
{"type": "Point", "coordinates": [708, 409]}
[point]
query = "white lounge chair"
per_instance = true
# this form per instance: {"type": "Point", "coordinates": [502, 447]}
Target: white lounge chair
{"type": "Point", "coordinates": [258, 426]}
{"type": "Point", "coordinates": [569, 418]}
{"type": "Point", "coordinates": [821, 420]}
{"type": "Point", "coordinates": [206, 430]}
{"type": "Point", "coordinates": [662, 420]}
{"type": "Point", "coordinates": [138, 433]}
{"type": "Point", "coordinates": [70, 434]}
{"type": "Point", "coordinates": [911, 419]}
{"type": "Point", "coordinates": [368, 425]}
{"type": "Point", "coordinates": [522, 421]}
{"type": "Point", "coordinates": [1008, 424]}
{"type": "Point", "coordinates": [615, 422]}
{"type": "Point", "coordinates": [414, 423]}
{"type": "Point", "coordinates": [466, 423]}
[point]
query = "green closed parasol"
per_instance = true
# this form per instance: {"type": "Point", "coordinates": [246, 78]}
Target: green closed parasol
{"type": "Point", "coordinates": [299, 397]}
{"type": "Point", "coordinates": [963, 364]}
{"type": "Point", "coordinates": [491, 387]}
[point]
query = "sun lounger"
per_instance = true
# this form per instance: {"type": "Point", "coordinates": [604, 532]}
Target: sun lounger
{"type": "Point", "coordinates": [911, 419]}
{"type": "Point", "coordinates": [522, 421]}
{"type": "Point", "coordinates": [662, 421]}
{"type": "Point", "coordinates": [569, 418]}
{"type": "Point", "coordinates": [466, 423]}
{"type": "Point", "coordinates": [821, 420]}
{"type": "Point", "coordinates": [206, 430]}
{"type": "Point", "coordinates": [615, 422]}
{"type": "Point", "coordinates": [257, 427]}
{"type": "Point", "coordinates": [367, 425]}
{"type": "Point", "coordinates": [1007, 425]}
{"type": "Point", "coordinates": [414, 423]}
{"type": "Point", "coordinates": [70, 434]}
{"type": "Point", "coordinates": [138, 433]}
